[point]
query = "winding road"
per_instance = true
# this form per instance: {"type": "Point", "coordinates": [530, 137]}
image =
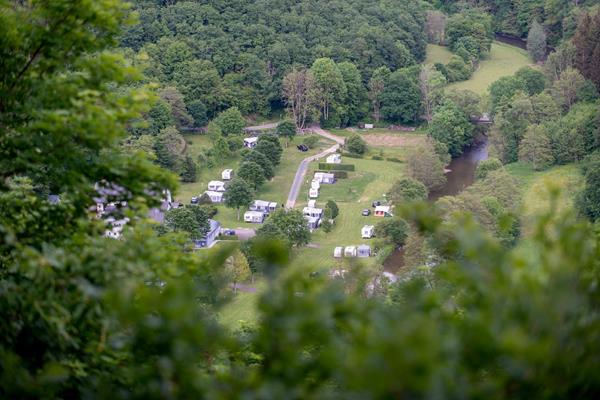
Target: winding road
{"type": "Point", "coordinates": [302, 168]}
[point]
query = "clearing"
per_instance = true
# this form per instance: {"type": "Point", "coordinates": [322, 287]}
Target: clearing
{"type": "Point", "coordinates": [437, 54]}
{"type": "Point", "coordinates": [503, 60]}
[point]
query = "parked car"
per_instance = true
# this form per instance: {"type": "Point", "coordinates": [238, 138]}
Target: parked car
{"type": "Point", "coordinates": [366, 212]}
{"type": "Point", "coordinates": [194, 200]}
{"type": "Point", "coordinates": [302, 147]}
{"type": "Point", "coordinates": [229, 232]}
{"type": "Point", "coordinates": [376, 203]}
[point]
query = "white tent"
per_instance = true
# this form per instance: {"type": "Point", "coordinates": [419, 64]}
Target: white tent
{"type": "Point", "coordinates": [250, 142]}
{"type": "Point", "coordinates": [338, 252]}
{"type": "Point", "coordinates": [350, 251]}
{"type": "Point", "coordinates": [367, 231]}
{"type": "Point", "coordinates": [334, 159]}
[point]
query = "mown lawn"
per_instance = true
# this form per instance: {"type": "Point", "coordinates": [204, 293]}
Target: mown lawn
{"type": "Point", "coordinates": [503, 60]}
{"type": "Point", "coordinates": [242, 307]}
{"type": "Point", "coordinates": [437, 54]}
{"type": "Point", "coordinates": [369, 182]}
{"type": "Point", "coordinates": [538, 185]}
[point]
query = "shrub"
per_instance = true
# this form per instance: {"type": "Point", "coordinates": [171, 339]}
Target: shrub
{"type": "Point", "coordinates": [311, 141]}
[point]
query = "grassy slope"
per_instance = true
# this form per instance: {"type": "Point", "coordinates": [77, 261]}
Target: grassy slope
{"type": "Point", "coordinates": [503, 60]}
{"type": "Point", "coordinates": [437, 54]}
{"type": "Point", "coordinates": [537, 186]}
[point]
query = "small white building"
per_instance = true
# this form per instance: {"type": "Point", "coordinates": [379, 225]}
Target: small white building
{"type": "Point", "coordinates": [383, 211]}
{"type": "Point", "coordinates": [350, 251]}
{"type": "Point", "coordinates": [338, 252]}
{"type": "Point", "coordinates": [312, 203]}
{"type": "Point", "coordinates": [313, 193]}
{"type": "Point", "coordinates": [325, 177]}
{"type": "Point", "coordinates": [334, 159]}
{"type": "Point", "coordinates": [215, 197]}
{"type": "Point", "coordinates": [312, 222]}
{"type": "Point", "coordinates": [312, 212]}
{"type": "Point", "coordinates": [211, 236]}
{"type": "Point", "coordinates": [250, 142]}
{"type": "Point", "coordinates": [254, 217]}
{"type": "Point", "coordinates": [363, 251]}
{"type": "Point", "coordinates": [315, 184]}
{"type": "Point", "coordinates": [266, 207]}
{"type": "Point", "coordinates": [367, 231]}
{"type": "Point", "coordinates": [369, 126]}
{"type": "Point", "coordinates": [216, 186]}
{"type": "Point", "coordinates": [227, 175]}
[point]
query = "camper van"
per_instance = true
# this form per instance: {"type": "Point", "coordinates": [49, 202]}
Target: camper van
{"type": "Point", "coordinates": [254, 217]}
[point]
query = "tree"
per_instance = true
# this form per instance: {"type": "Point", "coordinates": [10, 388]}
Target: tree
{"type": "Point", "coordinates": [237, 268]}
{"type": "Point", "coordinates": [376, 87]}
{"type": "Point", "coordinates": [486, 166]}
{"type": "Point", "coordinates": [503, 90]}
{"type": "Point", "coordinates": [331, 210]}
{"type": "Point", "coordinates": [467, 101]}
{"type": "Point", "coordinates": [559, 60]}
{"type": "Point", "coordinates": [568, 87]}
{"type": "Point", "coordinates": [406, 190]}
{"type": "Point", "coordinates": [330, 87]}
{"type": "Point", "coordinates": [450, 126]}
{"type": "Point", "coordinates": [198, 112]}
{"type": "Point", "coordinates": [269, 145]}
{"type": "Point", "coordinates": [356, 145]}
{"type": "Point", "coordinates": [168, 147]}
{"type": "Point", "coordinates": [220, 150]}
{"type": "Point", "coordinates": [192, 220]}
{"type": "Point", "coordinates": [536, 42]}
{"type": "Point", "coordinates": [159, 117]}
{"type": "Point", "coordinates": [401, 98]}
{"type": "Point", "coordinates": [291, 224]}
{"type": "Point", "coordinates": [239, 194]}
{"type": "Point", "coordinates": [188, 170]}
{"type": "Point", "coordinates": [424, 165]}
{"type": "Point", "coordinates": [252, 173]}
{"type": "Point", "coordinates": [262, 160]}
{"type": "Point", "coordinates": [299, 93]}
{"type": "Point", "coordinates": [231, 121]}
{"type": "Point", "coordinates": [355, 104]}
{"type": "Point", "coordinates": [174, 98]}
{"type": "Point", "coordinates": [431, 82]}
{"type": "Point", "coordinates": [393, 230]}
{"type": "Point", "coordinates": [535, 148]}
{"type": "Point", "coordinates": [586, 41]}
{"type": "Point", "coordinates": [588, 200]}
{"type": "Point", "coordinates": [534, 81]}
{"type": "Point", "coordinates": [286, 129]}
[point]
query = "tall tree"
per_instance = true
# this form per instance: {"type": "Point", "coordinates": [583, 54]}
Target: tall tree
{"type": "Point", "coordinates": [587, 42]}
{"type": "Point", "coordinates": [431, 82]}
{"type": "Point", "coordinates": [450, 126]}
{"type": "Point", "coordinates": [535, 148]}
{"type": "Point", "coordinates": [252, 173]}
{"type": "Point", "coordinates": [401, 97]}
{"type": "Point", "coordinates": [407, 190]}
{"type": "Point", "coordinates": [269, 145]}
{"type": "Point", "coordinates": [174, 98]}
{"type": "Point", "coordinates": [330, 86]}
{"type": "Point", "coordinates": [291, 224]}
{"type": "Point", "coordinates": [376, 87]}
{"type": "Point", "coordinates": [536, 41]}
{"type": "Point", "coordinates": [237, 269]}
{"type": "Point", "coordinates": [191, 220]}
{"type": "Point", "coordinates": [424, 165]}
{"type": "Point", "coordinates": [568, 87]}
{"type": "Point", "coordinates": [286, 129]}
{"type": "Point", "coordinates": [231, 121]}
{"type": "Point", "coordinates": [239, 194]}
{"type": "Point", "coordinates": [299, 93]}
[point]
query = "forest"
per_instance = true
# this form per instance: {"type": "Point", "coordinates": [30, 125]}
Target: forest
{"type": "Point", "coordinates": [104, 102]}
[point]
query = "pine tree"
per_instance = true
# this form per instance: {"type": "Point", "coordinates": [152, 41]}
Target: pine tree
{"type": "Point", "coordinates": [536, 41]}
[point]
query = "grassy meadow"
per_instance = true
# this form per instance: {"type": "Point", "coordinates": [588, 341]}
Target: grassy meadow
{"type": "Point", "coordinates": [437, 54]}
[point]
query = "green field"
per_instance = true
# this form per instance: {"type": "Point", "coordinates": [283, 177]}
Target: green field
{"type": "Point", "coordinates": [437, 54]}
{"type": "Point", "coordinates": [537, 187]}
{"type": "Point", "coordinates": [503, 60]}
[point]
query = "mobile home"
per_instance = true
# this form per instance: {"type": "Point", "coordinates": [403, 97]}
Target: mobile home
{"type": "Point", "coordinates": [254, 217]}
{"type": "Point", "coordinates": [227, 175]}
{"type": "Point", "coordinates": [325, 177]}
{"type": "Point", "coordinates": [367, 231]}
{"type": "Point", "coordinates": [266, 207]}
{"type": "Point", "coordinates": [334, 159]}
{"type": "Point", "coordinates": [338, 252]}
{"type": "Point", "coordinates": [216, 186]}
{"type": "Point", "coordinates": [211, 236]}
{"type": "Point", "coordinates": [312, 212]}
{"type": "Point", "coordinates": [383, 211]}
{"type": "Point", "coordinates": [350, 251]}
{"type": "Point", "coordinates": [312, 222]}
{"type": "Point", "coordinates": [363, 251]}
{"type": "Point", "coordinates": [315, 184]}
{"type": "Point", "coordinates": [250, 142]}
{"type": "Point", "coordinates": [215, 197]}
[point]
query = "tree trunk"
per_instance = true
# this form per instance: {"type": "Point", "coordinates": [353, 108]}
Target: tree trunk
{"type": "Point", "coordinates": [238, 213]}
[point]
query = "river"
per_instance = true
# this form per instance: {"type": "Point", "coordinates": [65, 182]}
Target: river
{"type": "Point", "coordinates": [460, 177]}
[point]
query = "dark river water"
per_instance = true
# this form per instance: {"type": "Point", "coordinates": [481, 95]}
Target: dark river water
{"type": "Point", "coordinates": [460, 176]}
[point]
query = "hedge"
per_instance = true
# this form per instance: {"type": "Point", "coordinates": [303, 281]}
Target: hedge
{"type": "Point", "coordinates": [352, 155]}
{"type": "Point", "coordinates": [336, 167]}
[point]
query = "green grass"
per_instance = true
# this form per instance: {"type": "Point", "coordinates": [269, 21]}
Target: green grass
{"type": "Point", "coordinates": [369, 182]}
{"type": "Point", "coordinates": [437, 54]}
{"type": "Point", "coordinates": [537, 187]}
{"type": "Point", "coordinates": [241, 308]}
{"type": "Point", "coordinates": [503, 60]}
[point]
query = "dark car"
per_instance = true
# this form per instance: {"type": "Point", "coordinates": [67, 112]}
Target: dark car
{"type": "Point", "coordinates": [228, 232]}
{"type": "Point", "coordinates": [376, 203]}
{"type": "Point", "coordinates": [302, 147]}
{"type": "Point", "coordinates": [194, 200]}
{"type": "Point", "coordinates": [366, 212]}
